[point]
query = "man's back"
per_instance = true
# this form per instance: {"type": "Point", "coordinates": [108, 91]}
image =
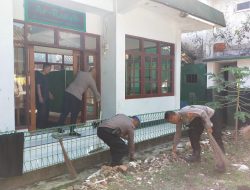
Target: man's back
{"type": "Point", "coordinates": [81, 83]}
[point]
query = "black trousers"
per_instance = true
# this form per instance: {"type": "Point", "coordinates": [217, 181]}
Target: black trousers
{"type": "Point", "coordinates": [71, 105]}
{"type": "Point", "coordinates": [196, 128]}
{"type": "Point", "coordinates": [118, 148]}
{"type": "Point", "coordinates": [42, 115]}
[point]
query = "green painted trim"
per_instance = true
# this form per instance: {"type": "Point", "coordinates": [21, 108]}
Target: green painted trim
{"type": "Point", "coordinates": [54, 22]}
{"type": "Point", "coordinates": [226, 58]}
{"type": "Point", "coordinates": [25, 10]}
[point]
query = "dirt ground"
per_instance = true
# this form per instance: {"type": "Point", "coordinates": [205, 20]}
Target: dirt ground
{"type": "Point", "coordinates": [155, 169]}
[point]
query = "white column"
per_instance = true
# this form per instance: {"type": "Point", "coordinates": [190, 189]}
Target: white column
{"type": "Point", "coordinates": [7, 117]}
{"type": "Point", "coordinates": [177, 67]}
{"type": "Point", "coordinates": [108, 66]}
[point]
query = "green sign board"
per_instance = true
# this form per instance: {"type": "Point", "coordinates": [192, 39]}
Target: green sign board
{"type": "Point", "coordinates": [45, 13]}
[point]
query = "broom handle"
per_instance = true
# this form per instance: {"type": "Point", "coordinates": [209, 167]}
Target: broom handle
{"type": "Point", "coordinates": [69, 164]}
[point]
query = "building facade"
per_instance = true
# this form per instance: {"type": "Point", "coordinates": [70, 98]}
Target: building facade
{"type": "Point", "coordinates": [133, 48]}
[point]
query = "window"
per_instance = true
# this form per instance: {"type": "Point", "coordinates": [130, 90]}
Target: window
{"type": "Point", "coordinates": [20, 79]}
{"type": "Point", "coordinates": [67, 39]}
{"type": "Point", "coordinates": [18, 29]}
{"type": "Point", "coordinates": [243, 6]}
{"type": "Point", "coordinates": [40, 34]}
{"type": "Point", "coordinates": [149, 68]}
{"type": "Point", "coordinates": [57, 61]}
{"type": "Point", "coordinates": [191, 78]}
{"type": "Point", "coordinates": [90, 42]}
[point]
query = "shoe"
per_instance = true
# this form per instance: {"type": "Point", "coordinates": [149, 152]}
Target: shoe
{"type": "Point", "coordinates": [60, 130]}
{"type": "Point", "coordinates": [73, 133]}
{"type": "Point", "coordinates": [195, 157]}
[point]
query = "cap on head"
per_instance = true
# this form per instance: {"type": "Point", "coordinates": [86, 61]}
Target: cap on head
{"type": "Point", "coordinates": [137, 119]}
{"type": "Point", "coordinates": [168, 114]}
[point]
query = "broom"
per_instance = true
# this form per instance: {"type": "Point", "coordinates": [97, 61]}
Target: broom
{"type": "Point", "coordinates": [219, 157]}
{"type": "Point", "coordinates": [245, 132]}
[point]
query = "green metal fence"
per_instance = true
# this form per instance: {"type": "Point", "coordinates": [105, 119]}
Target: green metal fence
{"type": "Point", "coordinates": [41, 150]}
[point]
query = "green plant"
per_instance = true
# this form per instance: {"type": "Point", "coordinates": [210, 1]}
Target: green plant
{"type": "Point", "coordinates": [230, 92]}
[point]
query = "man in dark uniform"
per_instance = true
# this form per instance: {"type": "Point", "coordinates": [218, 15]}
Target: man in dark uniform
{"type": "Point", "coordinates": [196, 117]}
{"type": "Point", "coordinates": [43, 96]}
{"type": "Point", "coordinates": [112, 132]}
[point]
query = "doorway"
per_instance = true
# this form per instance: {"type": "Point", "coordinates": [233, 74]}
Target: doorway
{"type": "Point", "coordinates": [64, 66]}
{"type": "Point", "coordinates": [67, 51]}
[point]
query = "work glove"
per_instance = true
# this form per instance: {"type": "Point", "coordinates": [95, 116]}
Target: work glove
{"type": "Point", "coordinates": [117, 131]}
{"type": "Point", "coordinates": [210, 130]}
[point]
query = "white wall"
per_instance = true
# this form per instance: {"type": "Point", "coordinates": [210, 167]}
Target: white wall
{"type": "Point", "coordinates": [210, 69]}
{"type": "Point", "coordinates": [7, 70]}
{"type": "Point", "coordinates": [18, 9]}
{"type": "Point", "coordinates": [101, 4]}
{"type": "Point", "coordinates": [94, 24]}
{"type": "Point", "coordinates": [245, 63]}
{"type": "Point", "coordinates": [214, 67]}
{"type": "Point", "coordinates": [142, 23]}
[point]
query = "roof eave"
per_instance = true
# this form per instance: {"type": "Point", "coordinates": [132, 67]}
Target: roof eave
{"type": "Point", "coordinates": [196, 9]}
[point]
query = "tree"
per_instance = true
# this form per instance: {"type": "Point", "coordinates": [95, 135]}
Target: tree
{"type": "Point", "coordinates": [235, 36]}
{"type": "Point", "coordinates": [232, 93]}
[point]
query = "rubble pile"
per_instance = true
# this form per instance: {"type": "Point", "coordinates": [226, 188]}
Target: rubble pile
{"type": "Point", "coordinates": [143, 170]}
{"type": "Point", "coordinates": [138, 169]}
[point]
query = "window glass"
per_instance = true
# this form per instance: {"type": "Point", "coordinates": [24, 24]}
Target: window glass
{"type": "Point", "coordinates": [54, 58]}
{"type": "Point", "coordinates": [67, 39]}
{"type": "Point", "coordinates": [68, 68]}
{"type": "Point", "coordinates": [56, 67]}
{"type": "Point", "coordinates": [40, 34]}
{"type": "Point", "coordinates": [90, 42]}
{"type": "Point", "coordinates": [40, 57]}
{"type": "Point", "coordinates": [20, 94]}
{"type": "Point", "coordinates": [191, 78]}
{"type": "Point", "coordinates": [150, 47]}
{"type": "Point", "coordinates": [151, 74]}
{"type": "Point", "coordinates": [133, 83]}
{"type": "Point", "coordinates": [242, 6]}
{"type": "Point", "coordinates": [18, 31]}
{"type": "Point", "coordinates": [132, 44]}
{"type": "Point", "coordinates": [68, 59]}
{"type": "Point", "coordinates": [166, 75]}
{"type": "Point", "coordinates": [38, 67]}
{"type": "Point", "coordinates": [165, 49]}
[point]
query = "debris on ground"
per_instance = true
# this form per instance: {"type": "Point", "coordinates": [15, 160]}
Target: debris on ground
{"type": "Point", "coordinates": [241, 167]}
{"type": "Point", "coordinates": [156, 169]}
{"type": "Point", "coordinates": [143, 170]}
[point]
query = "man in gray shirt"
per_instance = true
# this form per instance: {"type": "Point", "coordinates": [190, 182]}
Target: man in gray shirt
{"type": "Point", "coordinates": [112, 132]}
{"type": "Point", "coordinates": [196, 117]}
{"type": "Point", "coordinates": [73, 98]}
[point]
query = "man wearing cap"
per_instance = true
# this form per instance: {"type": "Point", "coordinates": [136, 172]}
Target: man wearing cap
{"type": "Point", "coordinates": [113, 131]}
{"type": "Point", "coordinates": [196, 118]}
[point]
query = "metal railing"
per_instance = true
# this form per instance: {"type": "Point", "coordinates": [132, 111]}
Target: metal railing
{"type": "Point", "coordinates": [41, 150]}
